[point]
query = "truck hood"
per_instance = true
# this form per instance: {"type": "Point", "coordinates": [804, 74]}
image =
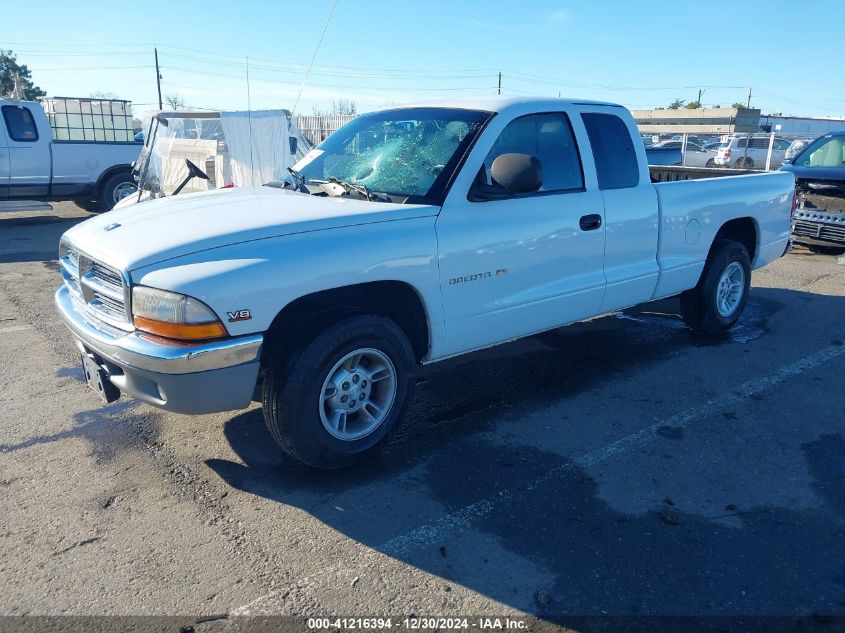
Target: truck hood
{"type": "Point", "coordinates": [156, 230]}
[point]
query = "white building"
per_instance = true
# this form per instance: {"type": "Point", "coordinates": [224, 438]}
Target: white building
{"type": "Point", "coordinates": [800, 125]}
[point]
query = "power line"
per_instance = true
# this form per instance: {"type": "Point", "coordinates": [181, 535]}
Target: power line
{"type": "Point", "coordinates": [314, 57]}
{"type": "Point", "coordinates": [97, 68]}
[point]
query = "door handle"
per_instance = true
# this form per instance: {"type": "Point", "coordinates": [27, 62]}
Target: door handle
{"type": "Point", "coordinates": [590, 222]}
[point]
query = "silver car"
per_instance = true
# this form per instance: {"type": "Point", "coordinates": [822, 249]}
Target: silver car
{"type": "Point", "coordinates": [695, 155]}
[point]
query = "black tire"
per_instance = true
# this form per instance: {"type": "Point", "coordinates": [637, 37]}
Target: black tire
{"type": "Point", "coordinates": [698, 306]}
{"type": "Point", "coordinates": [710, 163]}
{"type": "Point", "coordinates": [105, 200]}
{"type": "Point", "coordinates": [293, 383]}
{"type": "Point", "coordinates": [744, 163]}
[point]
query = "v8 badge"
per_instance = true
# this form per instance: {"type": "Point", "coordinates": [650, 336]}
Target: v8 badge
{"type": "Point", "coordinates": [239, 315]}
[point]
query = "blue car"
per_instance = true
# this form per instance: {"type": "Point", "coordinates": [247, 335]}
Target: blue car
{"type": "Point", "coordinates": [819, 220]}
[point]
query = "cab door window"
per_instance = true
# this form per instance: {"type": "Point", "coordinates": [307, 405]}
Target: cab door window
{"type": "Point", "coordinates": [549, 138]}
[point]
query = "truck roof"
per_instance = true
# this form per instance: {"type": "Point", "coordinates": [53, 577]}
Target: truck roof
{"type": "Point", "coordinates": [499, 103]}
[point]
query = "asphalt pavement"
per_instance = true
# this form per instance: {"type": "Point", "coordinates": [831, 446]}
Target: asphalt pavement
{"type": "Point", "coordinates": [623, 467]}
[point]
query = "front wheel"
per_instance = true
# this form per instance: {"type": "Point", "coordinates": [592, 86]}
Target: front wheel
{"type": "Point", "coordinates": [717, 302]}
{"type": "Point", "coordinates": [336, 399]}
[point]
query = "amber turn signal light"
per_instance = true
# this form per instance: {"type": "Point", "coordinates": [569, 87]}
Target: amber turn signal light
{"type": "Point", "coordinates": [181, 331]}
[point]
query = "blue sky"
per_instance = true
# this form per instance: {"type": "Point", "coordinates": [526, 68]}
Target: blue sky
{"type": "Point", "coordinates": [641, 54]}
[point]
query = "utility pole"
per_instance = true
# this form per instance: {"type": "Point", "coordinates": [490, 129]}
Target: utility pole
{"type": "Point", "coordinates": [158, 81]}
{"type": "Point", "coordinates": [748, 106]}
{"type": "Point", "coordinates": [500, 83]}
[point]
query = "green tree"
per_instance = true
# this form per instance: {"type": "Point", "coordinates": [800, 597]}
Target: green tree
{"type": "Point", "coordinates": [693, 105]}
{"type": "Point", "coordinates": [738, 105]}
{"type": "Point", "coordinates": [9, 69]}
{"type": "Point", "coordinates": [677, 104]}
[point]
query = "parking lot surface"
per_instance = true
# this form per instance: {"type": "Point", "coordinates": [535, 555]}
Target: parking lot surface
{"type": "Point", "coordinates": [621, 467]}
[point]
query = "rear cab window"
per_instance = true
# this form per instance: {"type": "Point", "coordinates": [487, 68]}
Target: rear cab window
{"type": "Point", "coordinates": [20, 124]}
{"type": "Point", "coordinates": [616, 161]}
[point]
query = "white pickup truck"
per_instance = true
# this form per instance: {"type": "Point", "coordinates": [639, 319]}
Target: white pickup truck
{"type": "Point", "coordinates": [82, 152]}
{"type": "Point", "coordinates": [408, 236]}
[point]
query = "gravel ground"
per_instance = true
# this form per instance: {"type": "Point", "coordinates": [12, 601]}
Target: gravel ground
{"type": "Point", "coordinates": [622, 467]}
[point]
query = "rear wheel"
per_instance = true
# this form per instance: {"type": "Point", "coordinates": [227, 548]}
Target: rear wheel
{"type": "Point", "coordinates": [114, 189]}
{"type": "Point", "coordinates": [717, 302]}
{"type": "Point", "coordinates": [335, 399]}
{"type": "Point", "coordinates": [710, 163]}
{"type": "Point", "coordinates": [744, 163]}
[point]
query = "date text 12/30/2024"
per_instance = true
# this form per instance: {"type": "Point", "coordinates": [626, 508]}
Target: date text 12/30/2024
{"type": "Point", "coordinates": [416, 624]}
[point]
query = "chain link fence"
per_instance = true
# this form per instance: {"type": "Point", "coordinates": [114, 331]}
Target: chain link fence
{"type": "Point", "coordinates": [317, 127]}
{"type": "Point", "coordinates": [757, 151]}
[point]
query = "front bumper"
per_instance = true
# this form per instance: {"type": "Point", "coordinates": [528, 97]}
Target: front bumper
{"type": "Point", "coordinates": [808, 229]}
{"type": "Point", "coordinates": [183, 378]}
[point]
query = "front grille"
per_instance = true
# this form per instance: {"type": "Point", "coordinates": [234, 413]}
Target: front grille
{"type": "Point", "coordinates": [819, 231]}
{"type": "Point", "coordinates": [99, 287]}
{"type": "Point", "coordinates": [107, 275]}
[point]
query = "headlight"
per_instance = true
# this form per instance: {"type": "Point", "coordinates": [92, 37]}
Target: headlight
{"type": "Point", "coordinates": [174, 315]}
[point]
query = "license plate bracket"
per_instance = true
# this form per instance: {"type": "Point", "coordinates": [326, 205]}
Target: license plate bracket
{"type": "Point", "coordinates": [98, 379]}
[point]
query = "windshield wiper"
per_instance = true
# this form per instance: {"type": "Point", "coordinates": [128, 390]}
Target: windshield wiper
{"type": "Point", "coordinates": [299, 180]}
{"type": "Point", "coordinates": [349, 187]}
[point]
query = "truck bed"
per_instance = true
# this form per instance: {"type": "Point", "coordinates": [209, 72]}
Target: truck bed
{"type": "Point", "coordinates": [692, 212]}
{"type": "Point", "coordinates": [672, 173]}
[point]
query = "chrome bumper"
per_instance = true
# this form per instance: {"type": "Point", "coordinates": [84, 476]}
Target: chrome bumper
{"type": "Point", "coordinates": [184, 378]}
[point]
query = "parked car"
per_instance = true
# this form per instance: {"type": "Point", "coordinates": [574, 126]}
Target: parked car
{"type": "Point", "coordinates": [819, 170]}
{"type": "Point", "coordinates": [82, 152]}
{"type": "Point", "coordinates": [410, 235]}
{"type": "Point", "coordinates": [744, 152]}
{"type": "Point", "coordinates": [694, 154]}
{"type": "Point", "coordinates": [663, 155]}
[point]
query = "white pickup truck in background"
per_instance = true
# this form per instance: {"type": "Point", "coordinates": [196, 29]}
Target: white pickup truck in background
{"type": "Point", "coordinates": [408, 236]}
{"type": "Point", "coordinates": [67, 149]}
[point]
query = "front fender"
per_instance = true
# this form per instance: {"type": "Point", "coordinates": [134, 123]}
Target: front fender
{"type": "Point", "coordinates": [263, 276]}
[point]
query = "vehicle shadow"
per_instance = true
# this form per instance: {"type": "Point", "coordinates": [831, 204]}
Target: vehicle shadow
{"type": "Point", "coordinates": [32, 239]}
{"type": "Point", "coordinates": [556, 548]}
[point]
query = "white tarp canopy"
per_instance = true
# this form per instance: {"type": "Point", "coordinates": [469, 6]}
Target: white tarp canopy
{"type": "Point", "coordinates": [259, 145]}
{"type": "Point", "coordinates": [234, 148]}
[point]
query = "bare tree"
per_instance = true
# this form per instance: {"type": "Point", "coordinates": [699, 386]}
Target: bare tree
{"type": "Point", "coordinates": [339, 106]}
{"type": "Point", "coordinates": [174, 101]}
{"type": "Point", "coordinates": [344, 106]}
{"type": "Point", "coordinates": [104, 95]}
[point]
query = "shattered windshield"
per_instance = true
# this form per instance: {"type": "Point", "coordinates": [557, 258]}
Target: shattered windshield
{"type": "Point", "coordinates": [406, 152]}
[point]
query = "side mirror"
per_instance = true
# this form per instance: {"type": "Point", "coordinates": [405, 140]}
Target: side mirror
{"type": "Point", "coordinates": [294, 143]}
{"type": "Point", "coordinates": [517, 173]}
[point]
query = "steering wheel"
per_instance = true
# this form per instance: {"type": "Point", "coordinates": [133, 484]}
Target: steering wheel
{"type": "Point", "coordinates": [194, 171]}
